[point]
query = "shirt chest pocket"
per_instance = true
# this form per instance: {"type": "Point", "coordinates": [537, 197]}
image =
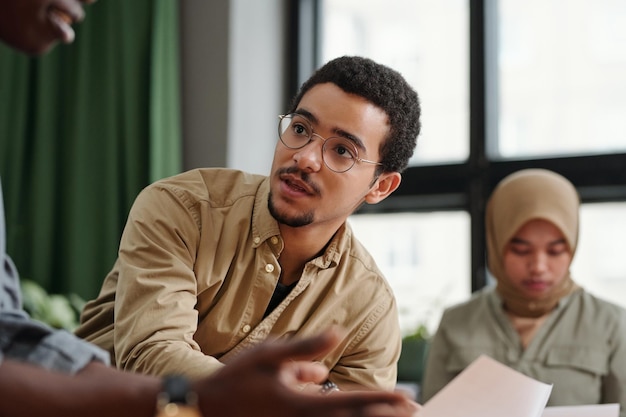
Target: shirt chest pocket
{"type": "Point", "coordinates": [461, 358]}
{"type": "Point", "coordinates": [593, 361]}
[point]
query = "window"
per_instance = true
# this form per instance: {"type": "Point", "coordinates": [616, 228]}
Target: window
{"type": "Point", "coordinates": [413, 250]}
{"type": "Point", "coordinates": [599, 265]}
{"type": "Point", "coordinates": [561, 67]}
{"type": "Point", "coordinates": [400, 34]}
{"type": "Point", "coordinates": [505, 85]}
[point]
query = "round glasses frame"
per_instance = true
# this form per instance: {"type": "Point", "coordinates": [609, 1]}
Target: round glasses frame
{"type": "Point", "coordinates": [284, 124]}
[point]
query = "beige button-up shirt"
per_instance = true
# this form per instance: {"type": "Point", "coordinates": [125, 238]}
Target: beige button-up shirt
{"type": "Point", "coordinates": [197, 266]}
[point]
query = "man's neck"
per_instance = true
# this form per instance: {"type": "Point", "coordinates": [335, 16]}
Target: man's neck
{"type": "Point", "coordinates": [301, 245]}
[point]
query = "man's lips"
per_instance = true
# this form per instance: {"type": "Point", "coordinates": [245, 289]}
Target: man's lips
{"type": "Point", "coordinates": [297, 185]}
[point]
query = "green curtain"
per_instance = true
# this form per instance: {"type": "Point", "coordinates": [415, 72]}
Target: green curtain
{"type": "Point", "coordinates": [82, 131]}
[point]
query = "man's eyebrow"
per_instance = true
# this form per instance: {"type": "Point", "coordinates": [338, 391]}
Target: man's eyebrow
{"type": "Point", "coordinates": [307, 115]}
{"type": "Point", "coordinates": [336, 132]}
{"type": "Point", "coordinates": [355, 139]}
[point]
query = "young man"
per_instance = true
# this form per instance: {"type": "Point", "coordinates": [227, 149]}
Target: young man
{"type": "Point", "coordinates": [52, 373]}
{"type": "Point", "coordinates": [214, 261]}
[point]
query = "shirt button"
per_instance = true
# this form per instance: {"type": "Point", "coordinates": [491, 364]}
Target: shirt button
{"type": "Point", "coordinates": [269, 268]}
{"type": "Point", "coordinates": [257, 240]}
{"type": "Point", "coordinates": [274, 240]}
{"type": "Point", "coordinates": [246, 328]}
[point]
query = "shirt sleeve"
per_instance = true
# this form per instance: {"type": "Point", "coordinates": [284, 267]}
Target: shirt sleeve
{"type": "Point", "coordinates": [155, 318]}
{"type": "Point", "coordinates": [27, 340]}
{"type": "Point", "coordinates": [436, 376]}
{"type": "Point", "coordinates": [10, 296]}
{"type": "Point", "coordinates": [371, 358]}
{"type": "Point", "coordinates": [614, 384]}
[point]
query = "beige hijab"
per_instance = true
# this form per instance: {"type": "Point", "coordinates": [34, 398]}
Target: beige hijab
{"type": "Point", "coordinates": [522, 196]}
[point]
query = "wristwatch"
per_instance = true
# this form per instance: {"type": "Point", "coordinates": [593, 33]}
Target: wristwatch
{"type": "Point", "coordinates": [177, 399]}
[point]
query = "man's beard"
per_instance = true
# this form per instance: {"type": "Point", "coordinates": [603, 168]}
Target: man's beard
{"type": "Point", "coordinates": [300, 220]}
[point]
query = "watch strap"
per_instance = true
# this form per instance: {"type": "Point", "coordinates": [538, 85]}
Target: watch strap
{"type": "Point", "coordinates": [177, 399]}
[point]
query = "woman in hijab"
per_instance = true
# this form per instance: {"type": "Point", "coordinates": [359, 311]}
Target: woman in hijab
{"type": "Point", "coordinates": [536, 319]}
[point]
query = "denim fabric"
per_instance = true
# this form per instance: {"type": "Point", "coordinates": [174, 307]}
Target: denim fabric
{"type": "Point", "coordinates": [27, 340]}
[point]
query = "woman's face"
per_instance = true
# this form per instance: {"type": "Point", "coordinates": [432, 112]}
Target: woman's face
{"type": "Point", "coordinates": [537, 258]}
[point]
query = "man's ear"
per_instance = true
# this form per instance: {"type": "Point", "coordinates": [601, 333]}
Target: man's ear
{"type": "Point", "coordinates": [386, 184]}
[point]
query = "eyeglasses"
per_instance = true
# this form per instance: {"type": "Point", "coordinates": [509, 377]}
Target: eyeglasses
{"type": "Point", "coordinates": [339, 154]}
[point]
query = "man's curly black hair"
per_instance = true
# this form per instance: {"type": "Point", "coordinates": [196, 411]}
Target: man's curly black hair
{"type": "Point", "coordinates": [383, 87]}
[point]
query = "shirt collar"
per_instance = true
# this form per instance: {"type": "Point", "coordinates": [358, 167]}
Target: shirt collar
{"type": "Point", "coordinates": [264, 226]}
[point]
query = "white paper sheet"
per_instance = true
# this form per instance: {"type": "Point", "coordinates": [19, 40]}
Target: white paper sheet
{"type": "Point", "coordinates": [487, 388]}
{"type": "Point", "coordinates": [601, 410]}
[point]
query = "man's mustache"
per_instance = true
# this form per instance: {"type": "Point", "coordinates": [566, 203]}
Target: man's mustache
{"type": "Point", "coordinates": [305, 177]}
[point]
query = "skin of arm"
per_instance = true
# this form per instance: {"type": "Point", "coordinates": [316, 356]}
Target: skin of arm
{"type": "Point", "coordinates": [258, 383]}
{"type": "Point", "coordinates": [27, 390]}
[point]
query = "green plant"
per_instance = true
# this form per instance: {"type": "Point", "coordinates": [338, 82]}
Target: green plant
{"type": "Point", "coordinates": [421, 333]}
{"type": "Point", "coordinates": [413, 355]}
{"type": "Point", "coordinates": [56, 310]}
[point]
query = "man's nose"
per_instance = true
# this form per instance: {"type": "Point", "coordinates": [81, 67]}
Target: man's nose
{"type": "Point", "coordinates": [309, 158]}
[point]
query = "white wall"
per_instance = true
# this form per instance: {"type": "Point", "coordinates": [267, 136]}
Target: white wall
{"type": "Point", "coordinates": [232, 82]}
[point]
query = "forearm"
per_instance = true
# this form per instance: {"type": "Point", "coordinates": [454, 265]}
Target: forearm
{"type": "Point", "coordinates": [27, 391]}
{"type": "Point", "coordinates": [164, 358]}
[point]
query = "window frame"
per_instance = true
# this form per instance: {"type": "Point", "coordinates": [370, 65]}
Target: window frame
{"type": "Point", "coordinates": [465, 185]}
